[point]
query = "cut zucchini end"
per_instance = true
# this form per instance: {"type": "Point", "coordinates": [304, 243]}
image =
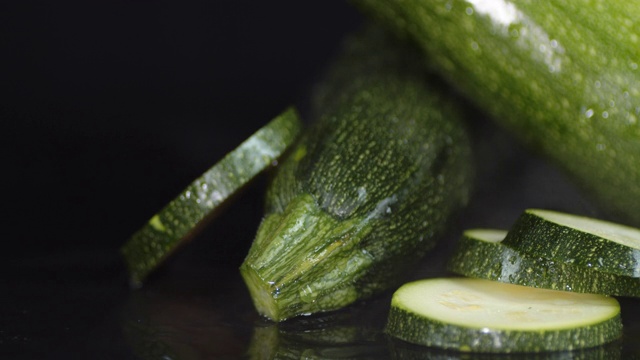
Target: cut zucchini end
{"type": "Point", "coordinates": [182, 217]}
{"type": "Point", "coordinates": [485, 316]}
{"type": "Point", "coordinates": [305, 261]}
{"type": "Point", "coordinates": [263, 294]}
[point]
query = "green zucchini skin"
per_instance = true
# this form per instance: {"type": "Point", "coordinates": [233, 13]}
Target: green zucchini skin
{"type": "Point", "coordinates": [561, 75]}
{"type": "Point", "coordinates": [442, 335]}
{"type": "Point", "coordinates": [410, 325]}
{"type": "Point", "coordinates": [476, 257]}
{"type": "Point", "coordinates": [368, 189]}
{"type": "Point", "coordinates": [183, 216]}
{"type": "Point", "coordinates": [406, 351]}
{"type": "Point", "coordinates": [532, 234]}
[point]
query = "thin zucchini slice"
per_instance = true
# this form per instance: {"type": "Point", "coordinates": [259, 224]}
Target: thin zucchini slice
{"type": "Point", "coordinates": [182, 217]}
{"type": "Point", "coordinates": [487, 316]}
{"type": "Point", "coordinates": [480, 253]}
{"type": "Point", "coordinates": [577, 240]}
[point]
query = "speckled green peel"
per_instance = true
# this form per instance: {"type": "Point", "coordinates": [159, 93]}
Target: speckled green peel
{"type": "Point", "coordinates": [179, 219]}
{"type": "Point", "coordinates": [305, 261]}
{"type": "Point", "coordinates": [406, 351]}
{"type": "Point", "coordinates": [580, 241]}
{"type": "Point", "coordinates": [474, 315]}
{"type": "Point", "coordinates": [562, 75]}
{"type": "Point", "coordinates": [481, 254]}
{"type": "Point", "coordinates": [368, 190]}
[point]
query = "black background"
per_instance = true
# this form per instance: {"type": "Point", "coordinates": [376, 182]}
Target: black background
{"type": "Point", "coordinates": [110, 108]}
{"type": "Point", "coordinates": [110, 105]}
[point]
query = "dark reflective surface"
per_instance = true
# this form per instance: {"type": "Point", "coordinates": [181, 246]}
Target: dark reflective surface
{"type": "Point", "coordinates": [112, 108]}
{"type": "Point", "coordinates": [78, 304]}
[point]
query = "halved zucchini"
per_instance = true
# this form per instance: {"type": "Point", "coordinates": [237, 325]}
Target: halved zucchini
{"type": "Point", "coordinates": [487, 316]}
{"type": "Point", "coordinates": [180, 219]}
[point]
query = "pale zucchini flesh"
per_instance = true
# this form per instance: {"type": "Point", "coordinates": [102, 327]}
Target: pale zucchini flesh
{"type": "Point", "coordinates": [485, 316]}
{"type": "Point", "coordinates": [577, 240]}
{"type": "Point", "coordinates": [481, 254]}
{"type": "Point", "coordinates": [181, 218]}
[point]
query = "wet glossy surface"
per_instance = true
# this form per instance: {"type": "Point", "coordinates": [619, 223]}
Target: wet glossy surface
{"type": "Point", "coordinates": [112, 110]}
{"type": "Point", "coordinates": [196, 307]}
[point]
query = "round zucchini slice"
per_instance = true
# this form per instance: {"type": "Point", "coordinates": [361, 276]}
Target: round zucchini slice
{"type": "Point", "coordinates": [480, 253]}
{"type": "Point", "coordinates": [577, 240]}
{"type": "Point", "coordinates": [181, 218]}
{"type": "Point", "coordinates": [478, 315]}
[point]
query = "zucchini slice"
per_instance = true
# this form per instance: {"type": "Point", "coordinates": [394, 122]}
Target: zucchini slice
{"type": "Point", "coordinates": [481, 254]}
{"type": "Point", "coordinates": [577, 240]}
{"type": "Point", "coordinates": [487, 316]}
{"type": "Point", "coordinates": [405, 351]}
{"type": "Point", "coordinates": [180, 218]}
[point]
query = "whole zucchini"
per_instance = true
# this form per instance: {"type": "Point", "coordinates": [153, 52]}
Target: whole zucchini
{"type": "Point", "coordinates": [562, 75]}
{"type": "Point", "coordinates": [368, 189]}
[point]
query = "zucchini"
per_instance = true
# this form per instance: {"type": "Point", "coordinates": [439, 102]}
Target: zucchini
{"type": "Point", "coordinates": [406, 351]}
{"type": "Point", "coordinates": [181, 218]}
{"type": "Point", "coordinates": [486, 316]}
{"type": "Point", "coordinates": [561, 75]}
{"type": "Point", "coordinates": [367, 191]}
{"type": "Point", "coordinates": [480, 253]}
{"type": "Point", "coordinates": [581, 241]}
